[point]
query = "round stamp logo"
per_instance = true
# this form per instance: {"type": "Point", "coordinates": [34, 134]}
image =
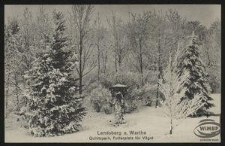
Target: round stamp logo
{"type": "Point", "coordinates": [207, 128]}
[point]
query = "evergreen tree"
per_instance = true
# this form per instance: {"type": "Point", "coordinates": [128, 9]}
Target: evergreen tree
{"type": "Point", "coordinates": [54, 105]}
{"type": "Point", "coordinates": [197, 83]}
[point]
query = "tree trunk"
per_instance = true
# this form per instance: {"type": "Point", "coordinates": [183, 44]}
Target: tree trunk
{"type": "Point", "coordinates": [7, 94]}
{"type": "Point", "coordinates": [98, 62]}
{"type": "Point", "coordinates": [80, 65]}
{"type": "Point", "coordinates": [117, 55]}
{"type": "Point", "coordinates": [157, 95]}
{"type": "Point", "coordinates": [120, 57]}
{"type": "Point", "coordinates": [17, 92]}
{"type": "Point", "coordinates": [119, 61]}
{"type": "Point", "coordinates": [159, 75]}
{"type": "Point", "coordinates": [141, 63]}
{"type": "Point", "coordinates": [208, 57]}
{"type": "Point", "coordinates": [105, 62]}
{"type": "Point", "coordinates": [171, 126]}
{"type": "Point", "coordinates": [116, 63]}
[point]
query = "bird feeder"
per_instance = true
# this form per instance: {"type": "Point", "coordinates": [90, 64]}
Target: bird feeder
{"type": "Point", "coordinates": [118, 92]}
{"type": "Point", "coordinates": [118, 88]}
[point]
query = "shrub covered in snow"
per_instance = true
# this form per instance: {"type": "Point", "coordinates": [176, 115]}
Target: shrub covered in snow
{"type": "Point", "coordinates": [101, 99]}
{"type": "Point", "coordinates": [138, 94]}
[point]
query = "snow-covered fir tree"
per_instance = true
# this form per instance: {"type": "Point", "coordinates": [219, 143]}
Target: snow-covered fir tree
{"type": "Point", "coordinates": [54, 105]}
{"type": "Point", "coordinates": [172, 88]}
{"type": "Point", "coordinates": [191, 63]}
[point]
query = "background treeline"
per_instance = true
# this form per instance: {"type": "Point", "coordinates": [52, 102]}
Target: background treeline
{"type": "Point", "coordinates": [134, 53]}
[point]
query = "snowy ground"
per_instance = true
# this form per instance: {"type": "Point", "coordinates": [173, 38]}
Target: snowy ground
{"type": "Point", "coordinates": [147, 119]}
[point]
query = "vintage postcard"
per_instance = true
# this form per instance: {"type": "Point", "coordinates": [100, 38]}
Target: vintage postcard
{"type": "Point", "coordinates": [112, 73]}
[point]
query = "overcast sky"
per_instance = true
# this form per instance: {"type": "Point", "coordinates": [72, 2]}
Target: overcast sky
{"type": "Point", "coordinates": [206, 14]}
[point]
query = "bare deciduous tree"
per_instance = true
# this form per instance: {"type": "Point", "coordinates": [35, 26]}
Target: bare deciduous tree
{"type": "Point", "coordinates": [81, 17]}
{"type": "Point", "coordinates": [174, 108]}
{"type": "Point", "coordinates": [118, 34]}
{"type": "Point", "coordinates": [99, 35]}
{"type": "Point", "coordinates": [138, 34]}
{"type": "Point", "coordinates": [13, 61]}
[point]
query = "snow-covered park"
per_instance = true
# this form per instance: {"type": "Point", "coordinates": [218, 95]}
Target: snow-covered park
{"type": "Point", "coordinates": [82, 73]}
{"type": "Point", "coordinates": [148, 119]}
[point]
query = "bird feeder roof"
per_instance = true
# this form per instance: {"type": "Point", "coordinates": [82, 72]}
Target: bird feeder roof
{"type": "Point", "coordinates": [119, 85]}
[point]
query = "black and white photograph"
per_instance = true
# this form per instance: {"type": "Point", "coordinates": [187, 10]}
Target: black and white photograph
{"type": "Point", "coordinates": [120, 73]}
